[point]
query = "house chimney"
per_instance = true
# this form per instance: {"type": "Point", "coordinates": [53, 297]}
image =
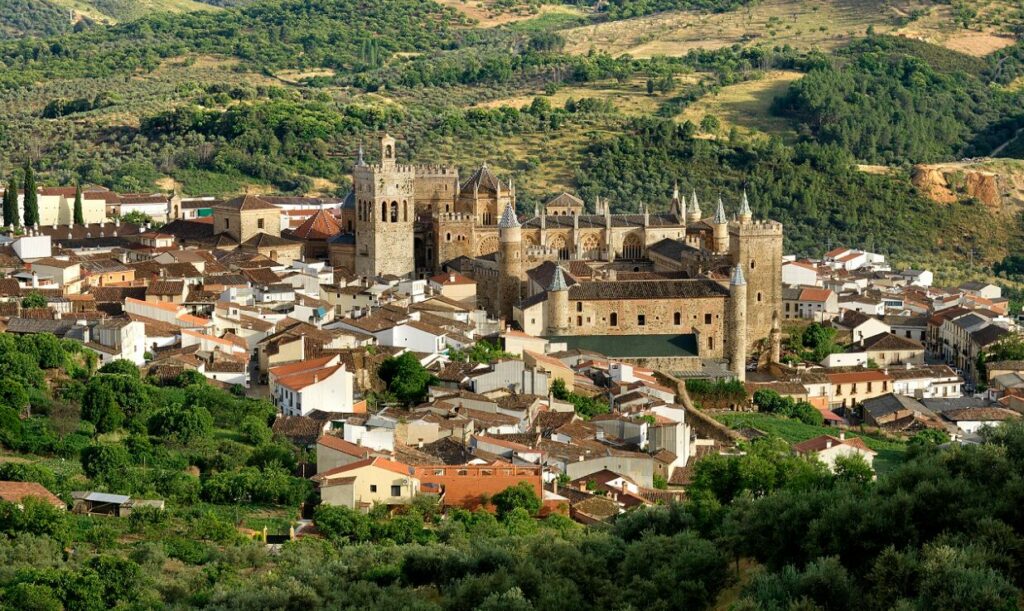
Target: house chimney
{"type": "Point", "coordinates": [842, 435]}
{"type": "Point", "coordinates": [828, 444]}
{"type": "Point", "coordinates": [554, 485]}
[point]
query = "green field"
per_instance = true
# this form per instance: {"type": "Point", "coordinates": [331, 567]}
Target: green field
{"type": "Point", "coordinates": [890, 453]}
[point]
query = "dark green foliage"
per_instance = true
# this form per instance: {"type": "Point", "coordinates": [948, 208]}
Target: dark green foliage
{"type": "Point", "coordinates": [716, 394]}
{"type": "Point", "coordinates": [33, 300]}
{"type": "Point", "coordinates": [121, 366]}
{"type": "Point", "coordinates": [19, 18]}
{"type": "Point", "coordinates": [815, 191]}
{"type": "Point", "coordinates": [186, 424]}
{"type": "Point", "coordinates": [520, 496]}
{"type": "Point", "coordinates": [78, 217]}
{"type": "Point", "coordinates": [106, 462]}
{"type": "Point", "coordinates": [886, 104]}
{"type": "Point", "coordinates": [624, 9]}
{"type": "Point", "coordinates": [253, 485]}
{"type": "Point", "coordinates": [771, 402]}
{"type": "Point", "coordinates": [31, 197]}
{"type": "Point", "coordinates": [10, 203]}
{"type": "Point", "coordinates": [406, 378]}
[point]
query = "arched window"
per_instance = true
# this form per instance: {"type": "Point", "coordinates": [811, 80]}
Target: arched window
{"type": "Point", "coordinates": [591, 246]}
{"type": "Point", "coordinates": [753, 264]}
{"type": "Point", "coordinates": [759, 296]}
{"type": "Point", "coordinates": [677, 318]}
{"type": "Point", "coordinates": [384, 211]}
{"type": "Point", "coordinates": [613, 320]}
{"type": "Point", "coordinates": [394, 212]}
{"type": "Point", "coordinates": [632, 247]}
{"type": "Point", "coordinates": [447, 237]}
{"type": "Point", "coordinates": [388, 152]}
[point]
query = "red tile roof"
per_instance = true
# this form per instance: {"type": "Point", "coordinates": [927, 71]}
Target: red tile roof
{"type": "Point", "coordinates": [376, 461]}
{"type": "Point", "coordinates": [320, 226]}
{"type": "Point", "coordinates": [822, 443]}
{"type": "Point", "coordinates": [857, 376]}
{"type": "Point", "coordinates": [810, 294]}
{"type": "Point", "coordinates": [337, 443]}
{"type": "Point", "coordinates": [17, 492]}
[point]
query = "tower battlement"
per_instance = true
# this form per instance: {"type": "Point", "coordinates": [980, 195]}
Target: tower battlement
{"type": "Point", "coordinates": [760, 228]}
{"type": "Point", "coordinates": [454, 217]}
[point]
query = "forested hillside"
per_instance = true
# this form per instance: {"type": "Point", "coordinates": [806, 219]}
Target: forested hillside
{"type": "Point", "coordinates": [277, 96]}
{"type": "Point", "coordinates": [19, 18]}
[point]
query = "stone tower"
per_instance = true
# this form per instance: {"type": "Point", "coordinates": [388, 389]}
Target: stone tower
{"type": "Point", "coordinates": [558, 304]}
{"type": "Point", "coordinates": [720, 226]}
{"type": "Point", "coordinates": [510, 262]}
{"type": "Point", "coordinates": [737, 324]}
{"type": "Point", "coordinates": [756, 246]}
{"type": "Point", "coordinates": [385, 215]}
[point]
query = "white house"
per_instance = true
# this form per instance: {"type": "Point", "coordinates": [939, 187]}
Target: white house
{"type": "Point", "coordinates": [799, 273]}
{"type": "Point", "coordinates": [116, 339]}
{"type": "Point", "coordinates": [320, 384]}
{"type": "Point", "coordinates": [828, 448]}
{"type": "Point", "coordinates": [31, 247]}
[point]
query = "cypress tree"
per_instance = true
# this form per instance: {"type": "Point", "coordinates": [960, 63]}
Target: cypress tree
{"type": "Point", "coordinates": [31, 197]}
{"type": "Point", "coordinates": [11, 203]}
{"type": "Point", "coordinates": [79, 217]}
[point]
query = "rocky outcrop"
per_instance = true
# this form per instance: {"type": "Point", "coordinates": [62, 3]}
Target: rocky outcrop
{"type": "Point", "coordinates": [947, 183]}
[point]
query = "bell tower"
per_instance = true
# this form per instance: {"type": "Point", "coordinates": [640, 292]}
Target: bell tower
{"type": "Point", "coordinates": [385, 215]}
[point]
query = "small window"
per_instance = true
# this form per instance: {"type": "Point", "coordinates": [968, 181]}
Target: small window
{"type": "Point", "coordinates": [707, 319]}
{"type": "Point", "coordinates": [373, 487]}
{"type": "Point", "coordinates": [759, 296]}
{"type": "Point", "coordinates": [579, 321]}
{"type": "Point", "coordinates": [579, 306]}
{"type": "Point", "coordinates": [259, 223]}
{"type": "Point", "coordinates": [677, 318]}
{"type": "Point", "coordinates": [711, 342]}
{"type": "Point", "coordinates": [438, 471]}
{"type": "Point", "coordinates": [396, 490]}
{"type": "Point", "coordinates": [641, 320]}
{"type": "Point", "coordinates": [227, 223]}
{"type": "Point", "coordinates": [614, 320]}
{"type": "Point", "coordinates": [753, 264]}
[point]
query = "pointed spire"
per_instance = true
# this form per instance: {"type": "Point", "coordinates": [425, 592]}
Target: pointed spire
{"type": "Point", "coordinates": [745, 212]}
{"type": "Point", "coordinates": [694, 206]}
{"type": "Point", "coordinates": [720, 218]}
{"type": "Point", "coordinates": [675, 191]}
{"type": "Point", "coordinates": [360, 161]}
{"type": "Point", "coordinates": [508, 218]}
{"type": "Point", "coordinates": [558, 282]}
{"type": "Point", "coordinates": [737, 277]}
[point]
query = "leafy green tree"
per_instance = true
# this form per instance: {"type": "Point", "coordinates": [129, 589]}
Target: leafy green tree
{"type": "Point", "coordinates": [406, 377]}
{"type": "Point", "coordinates": [255, 431]}
{"type": "Point", "coordinates": [79, 218]}
{"type": "Point", "coordinates": [10, 203]}
{"type": "Point", "coordinates": [33, 300]}
{"type": "Point", "coordinates": [341, 523]}
{"type": "Point", "coordinates": [105, 462]}
{"type": "Point", "coordinates": [122, 366]}
{"type": "Point", "coordinates": [100, 407]}
{"type": "Point", "coordinates": [854, 469]}
{"type": "Point", "coordinates": [31, 197]}
{"type": "Point", "coordinates": [522, 495]}
{"type": "Point", "coordinates": [186, 424]}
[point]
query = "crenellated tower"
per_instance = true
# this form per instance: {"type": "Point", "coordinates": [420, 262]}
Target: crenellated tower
{"type": "Point", "coordinates": [756, 246]}
{"type": "Point", "coordinates": [385, 215]}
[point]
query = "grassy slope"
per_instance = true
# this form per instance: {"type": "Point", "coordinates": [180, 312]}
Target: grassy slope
{"type": "Point", "coordinates": [890, 453]}
{"type": "Point", "coordinates": [112, 11]}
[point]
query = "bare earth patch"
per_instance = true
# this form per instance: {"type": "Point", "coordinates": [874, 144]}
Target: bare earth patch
{"type": "Point", "coordinates": [937, 27]}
